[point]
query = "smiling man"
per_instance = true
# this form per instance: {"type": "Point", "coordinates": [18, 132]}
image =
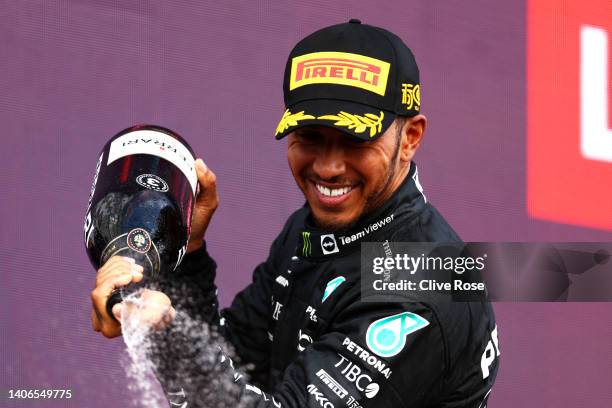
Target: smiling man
{"type": "Point", "coordinates": [344, 177]}
{"type": "Point", "coordinates": [353, 125]}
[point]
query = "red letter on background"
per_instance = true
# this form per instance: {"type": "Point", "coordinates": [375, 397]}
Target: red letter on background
{"type": "Point", "coordinates": [569, 132]}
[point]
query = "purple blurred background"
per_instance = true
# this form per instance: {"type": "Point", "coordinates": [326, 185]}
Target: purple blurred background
{"type": "Point", "coordinates": [73, 73]}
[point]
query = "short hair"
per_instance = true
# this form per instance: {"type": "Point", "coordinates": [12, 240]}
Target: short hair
{"type": "Point", "coordinates": [400, 122]}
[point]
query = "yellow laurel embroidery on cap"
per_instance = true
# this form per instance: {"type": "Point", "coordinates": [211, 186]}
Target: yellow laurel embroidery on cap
{"type": "Point", "coordinates": [357, 123]}
{"type": "Point", "coordinates": [291, 119]}
{"type": "Point", "coordinates": [411, 96]}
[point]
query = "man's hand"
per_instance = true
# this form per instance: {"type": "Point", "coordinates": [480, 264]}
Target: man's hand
{"type": "Point", "coordinates": [206, 203]}
{"type": "Point", "coordinates": [154, 308]}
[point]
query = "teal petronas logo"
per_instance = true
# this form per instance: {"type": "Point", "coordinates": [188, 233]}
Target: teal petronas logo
{"type": "Point", "coordinates": [331, 286]}
{"type": "Point", "coordinates": [386, 337]}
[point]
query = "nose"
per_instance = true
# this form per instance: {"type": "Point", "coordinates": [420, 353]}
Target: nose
{"type": "Point", "coordinates": [329, 162]}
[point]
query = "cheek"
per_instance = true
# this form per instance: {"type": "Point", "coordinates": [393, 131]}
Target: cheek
{"type": "Point", "coordinates": [371, 166]}
{"type": "Point", "coordinates": [297, 160]}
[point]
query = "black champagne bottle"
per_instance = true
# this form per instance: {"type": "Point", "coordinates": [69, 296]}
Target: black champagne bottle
{"type": "Point", "coordinates": [141, 202]}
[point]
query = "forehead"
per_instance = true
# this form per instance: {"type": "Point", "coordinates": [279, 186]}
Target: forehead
{"type": "Point", "coordinates": [326, 133]}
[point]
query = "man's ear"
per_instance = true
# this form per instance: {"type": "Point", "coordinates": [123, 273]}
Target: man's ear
{"type": "Point", "coordinates": [412, 134]}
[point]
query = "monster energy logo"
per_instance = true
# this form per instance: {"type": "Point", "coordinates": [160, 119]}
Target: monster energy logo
{"type": "Point", "coordinates": [306, 246]}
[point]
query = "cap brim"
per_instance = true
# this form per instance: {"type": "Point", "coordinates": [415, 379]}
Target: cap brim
{"type": "Point", "coordinates": [362, 121]}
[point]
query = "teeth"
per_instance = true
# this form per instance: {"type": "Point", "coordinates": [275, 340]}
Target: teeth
{"type": "Point", "coordinates": [333, 192]}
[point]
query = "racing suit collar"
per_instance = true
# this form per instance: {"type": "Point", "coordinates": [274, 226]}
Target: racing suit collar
{"type": "Point", "coordinates": [406, 201]}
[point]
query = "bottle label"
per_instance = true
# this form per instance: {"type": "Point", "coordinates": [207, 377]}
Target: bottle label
{"type": "Point", "coordinates": [136, 243]}
{"type": "Point", "coordinates": [139, 240]}
{"type": "Point", "coordinates": [158, 144]}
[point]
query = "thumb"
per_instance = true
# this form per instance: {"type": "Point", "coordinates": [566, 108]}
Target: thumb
{"type": "Point", "coordinates": [207, 180]}
{"type": "Point", "coordinates": [205, 205]}
{"type": "Point", "coordinates": [201, 168]}
{"type": "Point", "coordinates": [117, 309]}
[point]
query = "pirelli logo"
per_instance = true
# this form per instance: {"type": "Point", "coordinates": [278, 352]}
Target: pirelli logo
{"type": "Point", "coordinates": [331, 383]}
{"type": "Point", "coordinates": [340, 68]}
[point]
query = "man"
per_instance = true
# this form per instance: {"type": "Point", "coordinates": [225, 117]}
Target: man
{"type": "Point", "coordinates": [353, 125]}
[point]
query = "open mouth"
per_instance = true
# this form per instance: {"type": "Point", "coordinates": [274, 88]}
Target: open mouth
{"type": "Point", "coordinates": [333, 196]}
{"type": "Point", "coordinates": [333, 192]}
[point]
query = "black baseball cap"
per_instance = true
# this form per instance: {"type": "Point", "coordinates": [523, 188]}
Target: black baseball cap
{"type": "Point", "coordinates": [354, 77]}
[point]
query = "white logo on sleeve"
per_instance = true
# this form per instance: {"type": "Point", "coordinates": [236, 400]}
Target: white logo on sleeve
{"type": "Point", "coordinates": [490, 353]}
{"type": "Point", "coordinates": [277, 309]}
{"type": "Point", "coordinates": [319, 396]}
{"type": "Point", "coordinates": [328, 244]}
{"type": "Point", "coordinates": [312, 313]}
{"type": "Point", "coordinates": [366, 357]}
{"type": "Point", "coordinates": [352, 372]}
{"type": "Point", "coordinates": [331, 383]}
{"type": "Point", "coordinates": [303, 340]}
{"type": "Point", "coordinates": [281, 280]}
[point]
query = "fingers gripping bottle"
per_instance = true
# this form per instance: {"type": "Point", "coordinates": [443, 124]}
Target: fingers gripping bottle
{"type": "Point", "coordinates": [141, 202]}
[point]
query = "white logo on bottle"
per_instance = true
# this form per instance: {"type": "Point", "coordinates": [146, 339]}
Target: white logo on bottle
{"type": "Point", "coordinates": [153, 182]}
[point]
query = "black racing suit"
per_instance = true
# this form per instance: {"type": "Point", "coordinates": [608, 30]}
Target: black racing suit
{"type": "Point", "coordinates": [301, 326]}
